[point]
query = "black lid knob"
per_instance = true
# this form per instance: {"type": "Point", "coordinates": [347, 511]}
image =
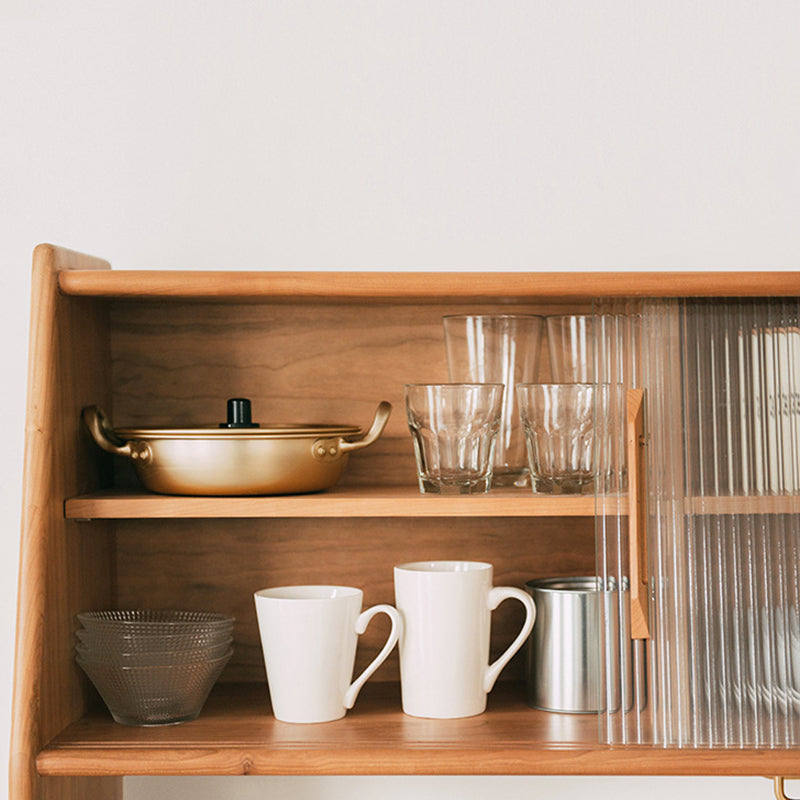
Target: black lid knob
{"type": "Point", "coordinates": [239, 414]}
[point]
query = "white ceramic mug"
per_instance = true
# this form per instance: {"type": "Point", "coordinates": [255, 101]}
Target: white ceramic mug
{"type": "Point", "coordinates": [309, 636]}
{"type": "Point", "coordinates": [446, 608]}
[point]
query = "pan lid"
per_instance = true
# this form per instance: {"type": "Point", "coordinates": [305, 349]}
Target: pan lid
{"type": "Point", "coordinates": [239, 425]}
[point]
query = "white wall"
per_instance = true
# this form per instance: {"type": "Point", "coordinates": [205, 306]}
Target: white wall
{"type": "Point", "coordinates": [431, 135]}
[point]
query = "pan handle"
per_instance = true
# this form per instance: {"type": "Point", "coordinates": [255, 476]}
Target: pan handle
{"type": "Point", "coordinates": [333, 449]}
{"type": "Point", "coordinates": [379, 421]}
{"type": "Point", "coordinates": [99, 426]}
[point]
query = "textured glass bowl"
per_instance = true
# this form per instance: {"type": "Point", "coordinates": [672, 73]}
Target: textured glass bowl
{"type": "Point", "coordinates": [155, 695]}
{"type": "Point", "coordinates": [150, 643]}
{"type": "Point", "coordinates": [129, 622]}
{"type": "Point", "coordinates": [101, 654]}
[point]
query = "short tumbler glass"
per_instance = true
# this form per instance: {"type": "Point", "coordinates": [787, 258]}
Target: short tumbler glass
{"type": "Point", "coordinates": [454, 428]}
{"type": "Point", "coordinates": [559, 429]}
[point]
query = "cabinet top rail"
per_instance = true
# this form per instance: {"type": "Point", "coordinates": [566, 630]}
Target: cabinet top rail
{"type": "Point", "coordinates": [416, 286]}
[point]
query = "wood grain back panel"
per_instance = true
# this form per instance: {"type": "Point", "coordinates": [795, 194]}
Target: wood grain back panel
{"type": "Point", "coordinates": [217, 565]}
{"type": "Point", "coordinates": [176, 364]}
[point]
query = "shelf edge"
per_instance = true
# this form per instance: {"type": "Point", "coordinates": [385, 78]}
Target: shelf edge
{"type": "Point", "coordinates": [372, 502]}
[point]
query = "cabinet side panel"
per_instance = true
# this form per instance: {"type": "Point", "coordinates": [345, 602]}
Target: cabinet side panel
{"type": "Point", "coordinates": [60, 573]}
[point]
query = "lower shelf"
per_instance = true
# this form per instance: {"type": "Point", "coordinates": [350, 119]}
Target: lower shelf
{"type": "Point", "coordinates": [237, 735]}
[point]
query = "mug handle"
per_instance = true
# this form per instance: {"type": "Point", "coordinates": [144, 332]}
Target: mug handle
{"type": "Point", "coordinates": [496, 596]}
{"type": "Point", "coordinates": [394, 634]}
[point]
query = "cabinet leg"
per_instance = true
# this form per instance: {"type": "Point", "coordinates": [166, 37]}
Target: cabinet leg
{"type": "Point", "coordinates": [780, 793]}
{"type": "Point", "coordinates": [83, 788]}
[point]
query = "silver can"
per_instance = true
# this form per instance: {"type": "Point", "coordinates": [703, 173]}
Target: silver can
{"type": "Point", "coordinates": [573, 662]}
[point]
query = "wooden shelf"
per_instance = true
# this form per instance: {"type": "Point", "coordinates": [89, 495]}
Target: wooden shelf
{"type": "Point", "coordinates": [236, 734]}
{"type": "Point", "coordinates": [338, 502]}
{"type": "Point", "coordinates": [391, 501]}
{"type": "Point", "coordinates": [516, 287]}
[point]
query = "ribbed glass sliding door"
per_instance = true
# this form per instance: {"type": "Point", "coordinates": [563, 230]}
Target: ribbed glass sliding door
{"type": "Point", "coordinates": [719, 663]}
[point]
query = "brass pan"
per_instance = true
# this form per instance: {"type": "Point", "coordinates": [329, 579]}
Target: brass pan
{"type": "Point", "coordinates": [270, 460]}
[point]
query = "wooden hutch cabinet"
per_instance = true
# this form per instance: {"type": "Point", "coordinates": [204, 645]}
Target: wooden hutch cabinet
{"type": "Point", "coordinates": [168, 347]}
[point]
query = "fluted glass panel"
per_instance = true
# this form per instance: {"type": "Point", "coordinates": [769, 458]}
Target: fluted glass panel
{"type": "Point", "coordinates": [722, 457]}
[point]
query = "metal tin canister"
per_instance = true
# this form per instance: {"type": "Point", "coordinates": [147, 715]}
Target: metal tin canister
{"type": "Point", "coordinates": [573, 653]}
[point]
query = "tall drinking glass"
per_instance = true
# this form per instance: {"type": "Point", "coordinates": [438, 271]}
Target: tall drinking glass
{"type": "Point", "coordinates": [571, 348]}
{"type": "Point", "coordinates": [498, 348]}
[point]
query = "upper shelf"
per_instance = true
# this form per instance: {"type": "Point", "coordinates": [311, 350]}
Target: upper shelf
{"type": "Point", "coordinates": [383, 501]}
{"type": "Point", "coordinates": [393, 501]}
{"type": "Point", "coordinates": [429, 287]}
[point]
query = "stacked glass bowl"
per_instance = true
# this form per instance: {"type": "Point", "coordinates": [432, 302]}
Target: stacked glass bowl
{"type": "Point", "coordinates": [154, 667]}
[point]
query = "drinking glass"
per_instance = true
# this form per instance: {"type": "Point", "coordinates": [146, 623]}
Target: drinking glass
{"type": "Point", "coordinates": [559, 428]}
{"type": "Point", "coordinates": [498, 348]}
{"type": "Point", "coordinates": [571, 348]}
{"type": "Point", "coordinates": [454, 427]}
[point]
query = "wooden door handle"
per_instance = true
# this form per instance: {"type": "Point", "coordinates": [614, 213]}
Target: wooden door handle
{"type": "Point", "coordinates": [637, 514]}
